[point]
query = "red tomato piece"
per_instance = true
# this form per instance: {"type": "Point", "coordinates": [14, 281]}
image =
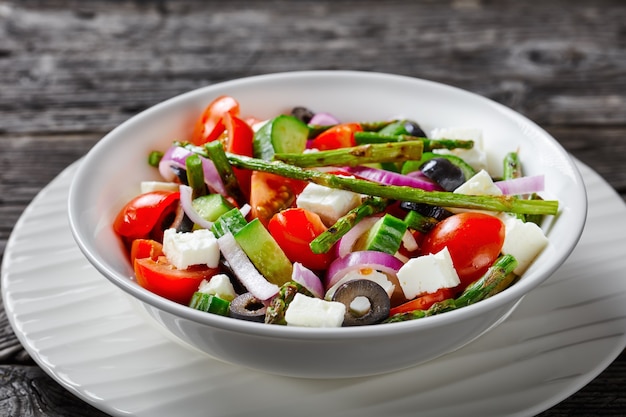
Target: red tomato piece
{"type": "Point", "coordinates": [162, 278]}
{"type": "Point", "coordinates": [294, 229]}
{"type": "Point", "coordinates": [141, 215]}
{"type": "Point", "coordinates": [473, 239]}
{"type": "Point", "coordinates": [145, 248]}
{"type": "Point", "coordinates": [239, 142]}
{"type": "Point", "coordinates": [340, 136]}
{"type": "Point", "coordinates": [424, 301]}
{"type": "Point", "coordinates": [270, 193]}
{"type": "Point", "coordinates": [210, 125]}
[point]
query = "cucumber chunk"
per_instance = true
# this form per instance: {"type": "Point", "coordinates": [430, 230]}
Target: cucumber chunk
{"type": "Point", "coordinates": [264, 252]}
{"type": "Point", "coordinates": [232, 221]}
{"type": "Point", "coordinates": [419, 222]}
{"type": "Point", "coordinates": [211, 206]}
{"type": "Point", "coordinates": [386, 235]}
{"type": "Point", "coordinates": [282, 134]}
{"type": "Point", "coordinates": [209, 303]}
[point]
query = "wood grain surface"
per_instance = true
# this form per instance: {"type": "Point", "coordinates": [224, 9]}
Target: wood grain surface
{"type": "Point", "coordinates": [70, 71]}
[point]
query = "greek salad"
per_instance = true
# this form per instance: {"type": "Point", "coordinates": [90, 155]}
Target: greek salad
{"type": "Point", "coordinates": [308, 220]}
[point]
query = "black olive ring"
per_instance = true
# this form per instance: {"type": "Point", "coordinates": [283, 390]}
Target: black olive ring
{"type": "Point", "coordinates": [376, 295]}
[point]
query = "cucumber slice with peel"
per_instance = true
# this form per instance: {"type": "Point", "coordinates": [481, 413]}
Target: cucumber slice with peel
{"type": "Point", "coordinates": [386, 235]}
{"type": "Point", "coordinates": [209, 303]}
{"type": "Point", "coordinates": [282, 134]}
{"type": "Point", "coordinates": [211, 206]}
{"type": "Point", "coordinates": [232, 221]}
{"type": "Point", "coordinates": [264, 252]}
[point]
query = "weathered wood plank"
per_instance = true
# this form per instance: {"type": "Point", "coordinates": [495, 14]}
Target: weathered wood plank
{"type": "Point", "coordinates": [93, 60]}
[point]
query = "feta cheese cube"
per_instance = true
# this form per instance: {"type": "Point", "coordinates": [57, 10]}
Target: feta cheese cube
{"type": "Point", "coordinates": [378, 277]}
{"type": "Point", "coordinates": [149, 186]}
{"type": "Point", "coordinates": [475, 157]}
{"type": "Point", "coordinates": [314, 312]}
{"type": "Point", "coordinates": [427, 274]}
{"type": "Point", "coordinates": [360, 306]}
{"type": "Point", "coordinates": [220, 286]}
{"type": "Point", "coordinates": [329, 203]}
{"type": "Point", "coordinates": [523, 240]}
{"type": "Point", "coordinates": [479, 184]}
{"type": "Point", "coordinates": [191, 248]}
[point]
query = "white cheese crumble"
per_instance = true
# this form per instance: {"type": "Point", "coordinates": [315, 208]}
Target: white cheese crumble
{"type": "Point", "coordinates": [476, 157]}
{"type": "Point", "coordinates": [149, 186]}
{"type": "Point", "coordinates": [220, 286]}
{"type": "Point", "coordinates": [360, 306]}
{"type": "Point", "coordinates": [314, 312]}
{"type": "Point", "coordinates": [191, 248]}
{"type": "Point", "coordinates": [427, 274]}
{"type": "Point", "coordinates": [480, 184]}
{"type": "Point", "coordinates": [523, 240]}
{"type": "Point", "coordinates": [329, 203]}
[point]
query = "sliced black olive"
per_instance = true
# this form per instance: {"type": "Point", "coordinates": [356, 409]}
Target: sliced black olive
{"type": "Point", "coordinates": [379, 303]}
{"type": "Point", "coordinates": [182, 223]}
{"type": "Point", "coordinates": [302, 113]}
{"type": "Point", "coordinates": [172, 217]}
{"type": "Point", "coordinates": [427, 210]}
{"type": "Point", "coordinates": [181, 173]}
{"type": "Point", "coordinates": [247, 307]}
{"type": "Point", "coordinates": [414, 129]}
{"type": "Point", "coordinates": [444, 173]}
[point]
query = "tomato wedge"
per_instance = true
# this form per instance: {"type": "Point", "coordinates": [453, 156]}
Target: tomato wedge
{"type": "Point", "coordinates": [239, 142]}
{"type": "Point", "coordinates": [294, 229]}
{"type": "Point", "coordinates": [423, 302]}
{"type": "Point", "coordinates": [162, 278]}
{"type": "Point", "coordinates": [271, 193]}
{"type": "Point", "coordinates": [210, 125]}
{"type": "Point", "coordinates": [145, 248]}
{"type": "Point", "coordinates": [144, 213]}
{"type": "Point", "coordinates": [474, 240]}
{"type": "Point", "coordinates": [340, 136]}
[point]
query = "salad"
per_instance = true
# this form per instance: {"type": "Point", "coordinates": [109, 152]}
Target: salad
{"type": "Point", "coordinates": [307, 220]}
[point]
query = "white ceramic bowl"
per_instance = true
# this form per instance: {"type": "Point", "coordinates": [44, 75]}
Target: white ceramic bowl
{"type": "Point", "coordinates": [111, 172]}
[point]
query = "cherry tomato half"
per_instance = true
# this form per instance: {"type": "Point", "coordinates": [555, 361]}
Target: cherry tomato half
{"type": "Point", "coordinates": [210, 125]}
{"type": "Point", "coordinates": [340, 136]}
{"type": "Point", "coordinates": [145, 248]}
{"type": "Point", "coordinates": [423, 302]}
{"type": "Point", "coordinates": [239, 142]}
{"type": "Point", "coordinates": [294, 229]}
{"type": "Point", "coordinates": [473, 239]}
{"type": "Point", "coordinates": [141, 215]}
{"type": "Point", "coordinates": [270, 193]}
{"type": "Point", "coordinates": [162, 278]}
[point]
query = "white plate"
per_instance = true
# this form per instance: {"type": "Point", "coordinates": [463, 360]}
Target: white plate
{"type": "Point", "coordinates": [92, 339]}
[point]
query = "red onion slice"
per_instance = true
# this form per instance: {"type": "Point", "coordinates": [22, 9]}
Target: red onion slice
{"type": "Point", "coordinates": [244, 269]}
{"type": "Point", "coordinates": [186, 201]}
{"type": "Point", "coordinates": [307, 278]}
{"type": "Point", "coordinates": [409, 242]}
{"type": "Point", "coordinates": [378, 261]}
{"type": "Point", "coordinates": [245, 210]}
{"type": "Point", "coordinates": [323, 119]}
{"type": "Point", "coordinates": [177, 156]}
{"type": "Point", "coordinates": [522, 185]}
{"type": "Point", "coordinates": [393, 178]}
{"type": "Point", "coordinates": [346, 243]}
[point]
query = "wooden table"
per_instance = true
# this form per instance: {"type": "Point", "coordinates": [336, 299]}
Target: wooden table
{"type": "Point", "coordinates": [70, 71]}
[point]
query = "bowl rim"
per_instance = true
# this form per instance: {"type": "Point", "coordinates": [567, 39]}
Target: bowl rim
{"type": "Point", "coordinates": [509, 296]}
